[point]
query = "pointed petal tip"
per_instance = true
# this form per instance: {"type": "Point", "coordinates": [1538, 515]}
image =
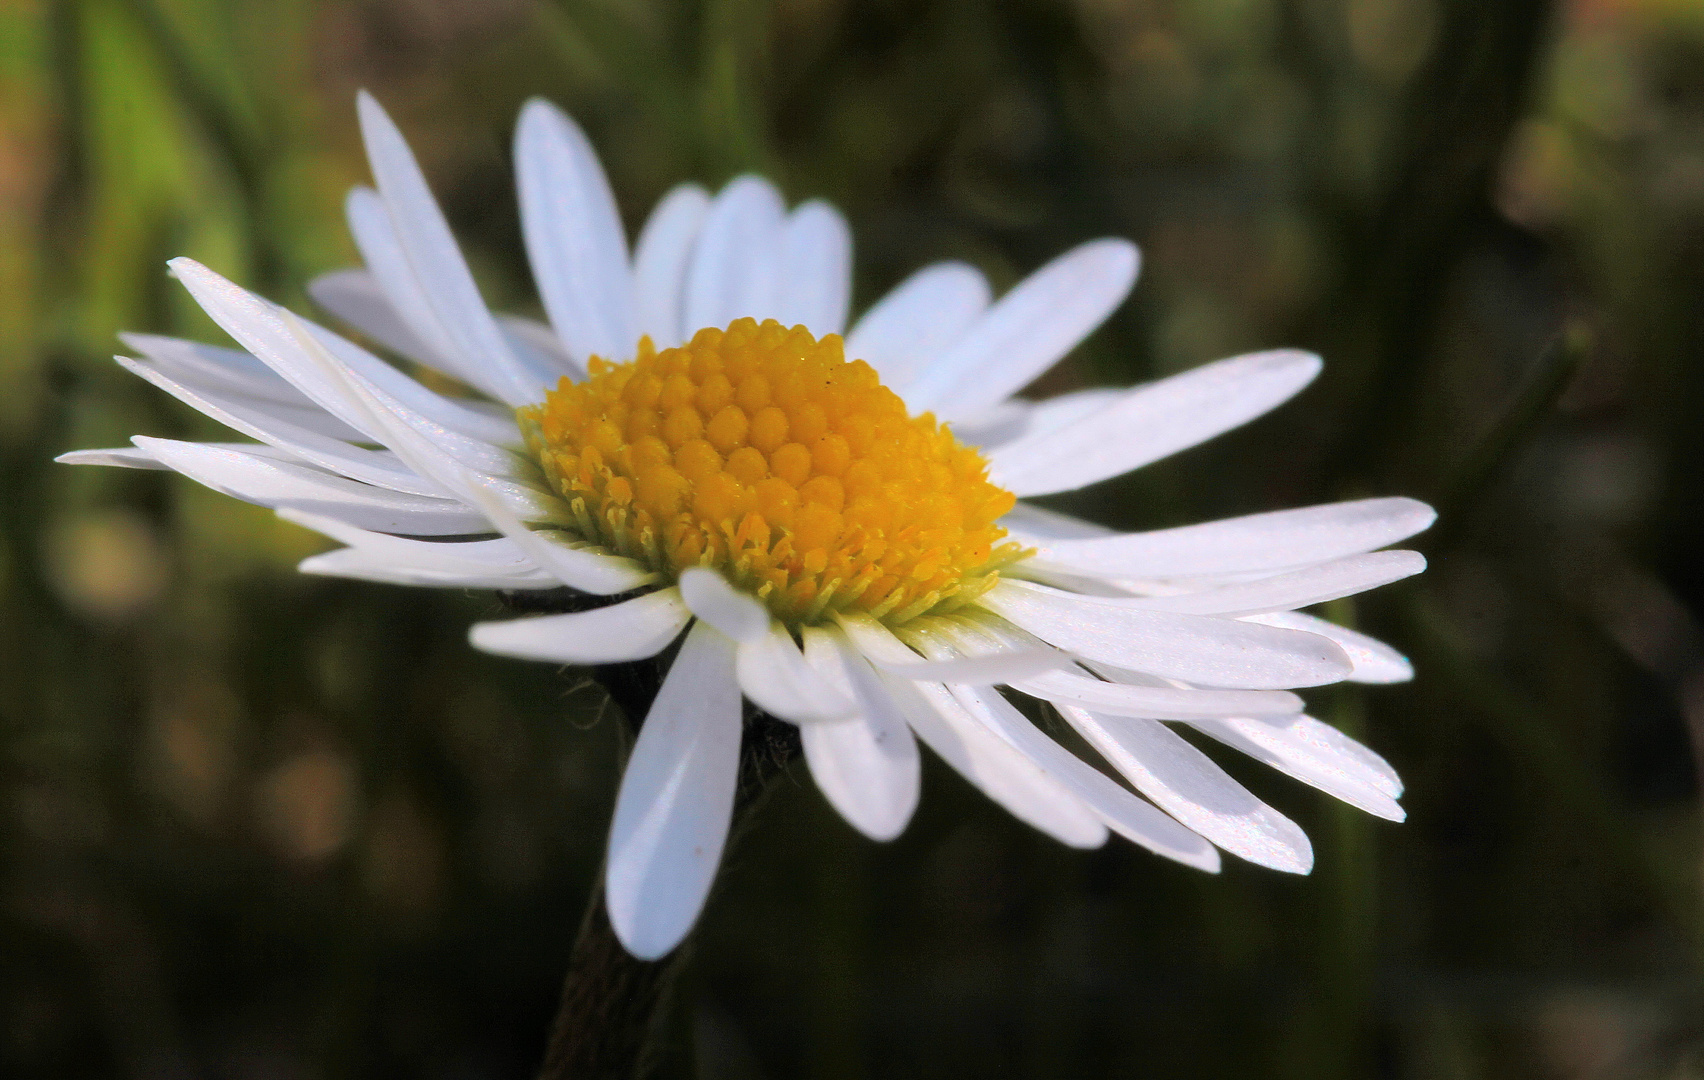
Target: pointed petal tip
{"type": "Point", "coordinates": [367, 106]}
{"type": "Point", "coordinates": [1424, 515]}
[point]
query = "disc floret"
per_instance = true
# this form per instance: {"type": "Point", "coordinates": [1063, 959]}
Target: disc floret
{"type": "Point", "coordinates": [763, 453]}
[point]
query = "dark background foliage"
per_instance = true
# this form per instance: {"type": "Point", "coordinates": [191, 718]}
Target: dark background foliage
{"type": "Point", "coordinates": [259, 825]}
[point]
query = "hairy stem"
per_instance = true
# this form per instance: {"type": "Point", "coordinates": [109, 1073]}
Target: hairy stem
{"type": "Point", "coordinates": [614, 1007]}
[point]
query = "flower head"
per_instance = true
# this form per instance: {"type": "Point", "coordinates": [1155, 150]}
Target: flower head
{"type": "Point", "coordinates": [835, 524]}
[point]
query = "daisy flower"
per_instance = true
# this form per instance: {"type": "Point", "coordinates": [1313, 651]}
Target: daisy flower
{"type": "Point", "coordinates": [828, 526]}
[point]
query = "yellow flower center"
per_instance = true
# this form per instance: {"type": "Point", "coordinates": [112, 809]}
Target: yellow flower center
{"type": "Point", "coordinates": [764, 453]}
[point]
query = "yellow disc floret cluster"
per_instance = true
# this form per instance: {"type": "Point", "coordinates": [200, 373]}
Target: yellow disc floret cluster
{"type": "Point", "coordinates": [764, 453]}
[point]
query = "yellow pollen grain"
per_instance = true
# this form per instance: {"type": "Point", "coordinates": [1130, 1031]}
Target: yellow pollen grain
{"type": "Point", "coordinates": [764, 453]}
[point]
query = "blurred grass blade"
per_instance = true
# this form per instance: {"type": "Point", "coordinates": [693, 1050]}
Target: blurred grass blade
{"type": "Point", "coordinates": [1500, 448]}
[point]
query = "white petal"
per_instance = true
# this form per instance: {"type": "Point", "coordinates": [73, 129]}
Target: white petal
{"type": "Point", "coordinates": [372, 556]}
{"type": "Point", "coordinates": [587, 570]}
{"type": "Point", "coordinates": [573, 233]}
{"type": "Point", "coordinates": [737, 259]}
{"type": "Point", "coordinates": [399, 286]}
{"type": "Point", "coordinates": [199, 392]}
{"type": "Point", "coordinates": [1375, 662]}
{"type": "Point", "coordinates": [251, 419]}
{"type": "Point", "coordinates": [732, 612]}
{"type": "Point", "coordinates": [1277, 540]}
{"type": "Point", "coordinates": [453, 460]}
{"type": "Point", "coordinates": [921, 318]}
{"type": "Point", "coordinates": [1026, 333]}
{"type": "Point", "coordinates": [1298, 588]}
{"type": "Point", "coordinates": [273, 336]}
{"type": "Point", "coordinates": [1122, 812]}
{"type": "Point", "coordinates": [1041, 526]}
{"type": "Point", "coordinates": [134, 457]}
{"type": "Point", "coordinates": [500, 501]}
{"type": "Point", "coordinates": [488, 426]}
{"type": "Point", "coordinates": [1194, 648]}
{"type": "Point", "coordinates": [356, 297]}
{"type": "Point", "coordinates": [1273, 744]}
{"type": "Point", "coordinates": [257, 326]}
{"type": "Point", "coordinates": [677, 796]}
{"type": "Point", "coordinates": [1016, 418]}
{"type": "Point", "coordinates": [1150, 422]}
{"type": "Point", "coordinates": [1333, 743]}
{"type": "Point", "coordinates": [471, 334]}
{"type": "Point", "coordinates": [1024, 788]}
{"type": "Point", "coordinates": [362, 564]}
{"type": "Point", "coordinates": [889, 653]}
{"type": "Point", "coordinates": [232, 370]}
{"type": "Point", "coordinates": [276, 483]}
{"type": "Point", "coordinates": [815, 287]}
{"type": "Point", "coordinates": [776, 678]}
{"type": "Point", "coordinates": [630, 630]}
{"type": "Point", "coordinates": [1156, 702]}
{"type": "Point", "coordinates": [537, 347]}
{"type": "Point", "coordinates": [660, 263]}
{"type": "Point", "coordinates": [123, 457]}
{"type": "Point", "coordinates": [1190, 787]}
{"type": "Point", "coordinates": [425, 444]}
{"type": "Point", "coordinates": [867, 767]}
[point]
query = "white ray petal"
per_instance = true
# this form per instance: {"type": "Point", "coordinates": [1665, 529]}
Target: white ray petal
{"type": "Point", "coordinates": [251, 419]}
{"type": "Point", "coordinates": [1330, 742]}
{"type": "Point", "coordinates": [276, 483]}
{"type": "Point", "coordinates": [211, 366]}
{"type": "Point", "coordinates": [1121, 811]}
{"type": "Point", "coordinates": [573, 234]}
{"type": "Point", "coordinates": [1027, 331]}
{"type": "Point", "coordinates": [259, 328]}
{"type": "Point", "coordinates": [815, 287]}
{"type": "Point", "coordinates": [775, 677]}
{"type": "Point", "coordinates": [243, 413]}
{"type": "Point", "coordinates": [732, 612]}
{"type": "Point", "coordinates": [868, 767]}
{"type": "Point", "coordinates": [364, 564]}
{"type": "Point", "coordinates": [735, 264]}
{"type": "Point", "coordinates": [538, 348]}
{"type": "Point", "coordinates": [631, 630]}
{"type": "Point", "coordinates": [372, 556]}
{"type": "Point", "coordinates": [271, 334]}
{"type": "Point", "coordinates": [1195, 648]}
{"type": "Point", "coordinates": [1277, 540]}
{"type": "Point", "coordinates": [1273, 743]}
{"type": "Point", "coordinates": [1298, 588]}
{"type": "Point", "coordinates": [578, 567]}
{"type": "Point", "coordinates": [889, 653]}
{"type": "Point", "coordinates": [1375, 662]}
{"type": "Point", "coordinates": [1156, 702]}
{"type": "Point", "coordinates": [676, 799]}
{"type": "Point", "coordinates": [1016, 418]}
{"type": "Point", "coordinates": [401, 290]}
{"type": "Point", "coordinates": [501, 502]}
{"type": "Point", "coordinates": [355, 296]}
{"type": "Point", "coordinates": [1150, 422]}
{"type": "Point", "coordinates": [660, 262]}
{"type": "Point", "coordinates": [474, 452]}
{"type": "Point", "coordinates": [1041, 526]}
{"type": "Point", "coordinates": [122, 457]}
{"type": "Point", "coordinates": [1190, 787]}
{"type": "Point", "coordinates": [1024, 788]}
{"type": "Point", "coordinates": [471, 334]}
{"type": "Point", "coordinates": [921, 318]}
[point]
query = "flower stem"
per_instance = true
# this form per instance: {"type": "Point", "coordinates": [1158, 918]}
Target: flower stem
{"type": "Point", "coordinates": [614, 1007]}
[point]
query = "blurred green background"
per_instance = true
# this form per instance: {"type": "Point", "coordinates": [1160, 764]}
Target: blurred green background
{"type": "Point", "coordinates": [258, 825]}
